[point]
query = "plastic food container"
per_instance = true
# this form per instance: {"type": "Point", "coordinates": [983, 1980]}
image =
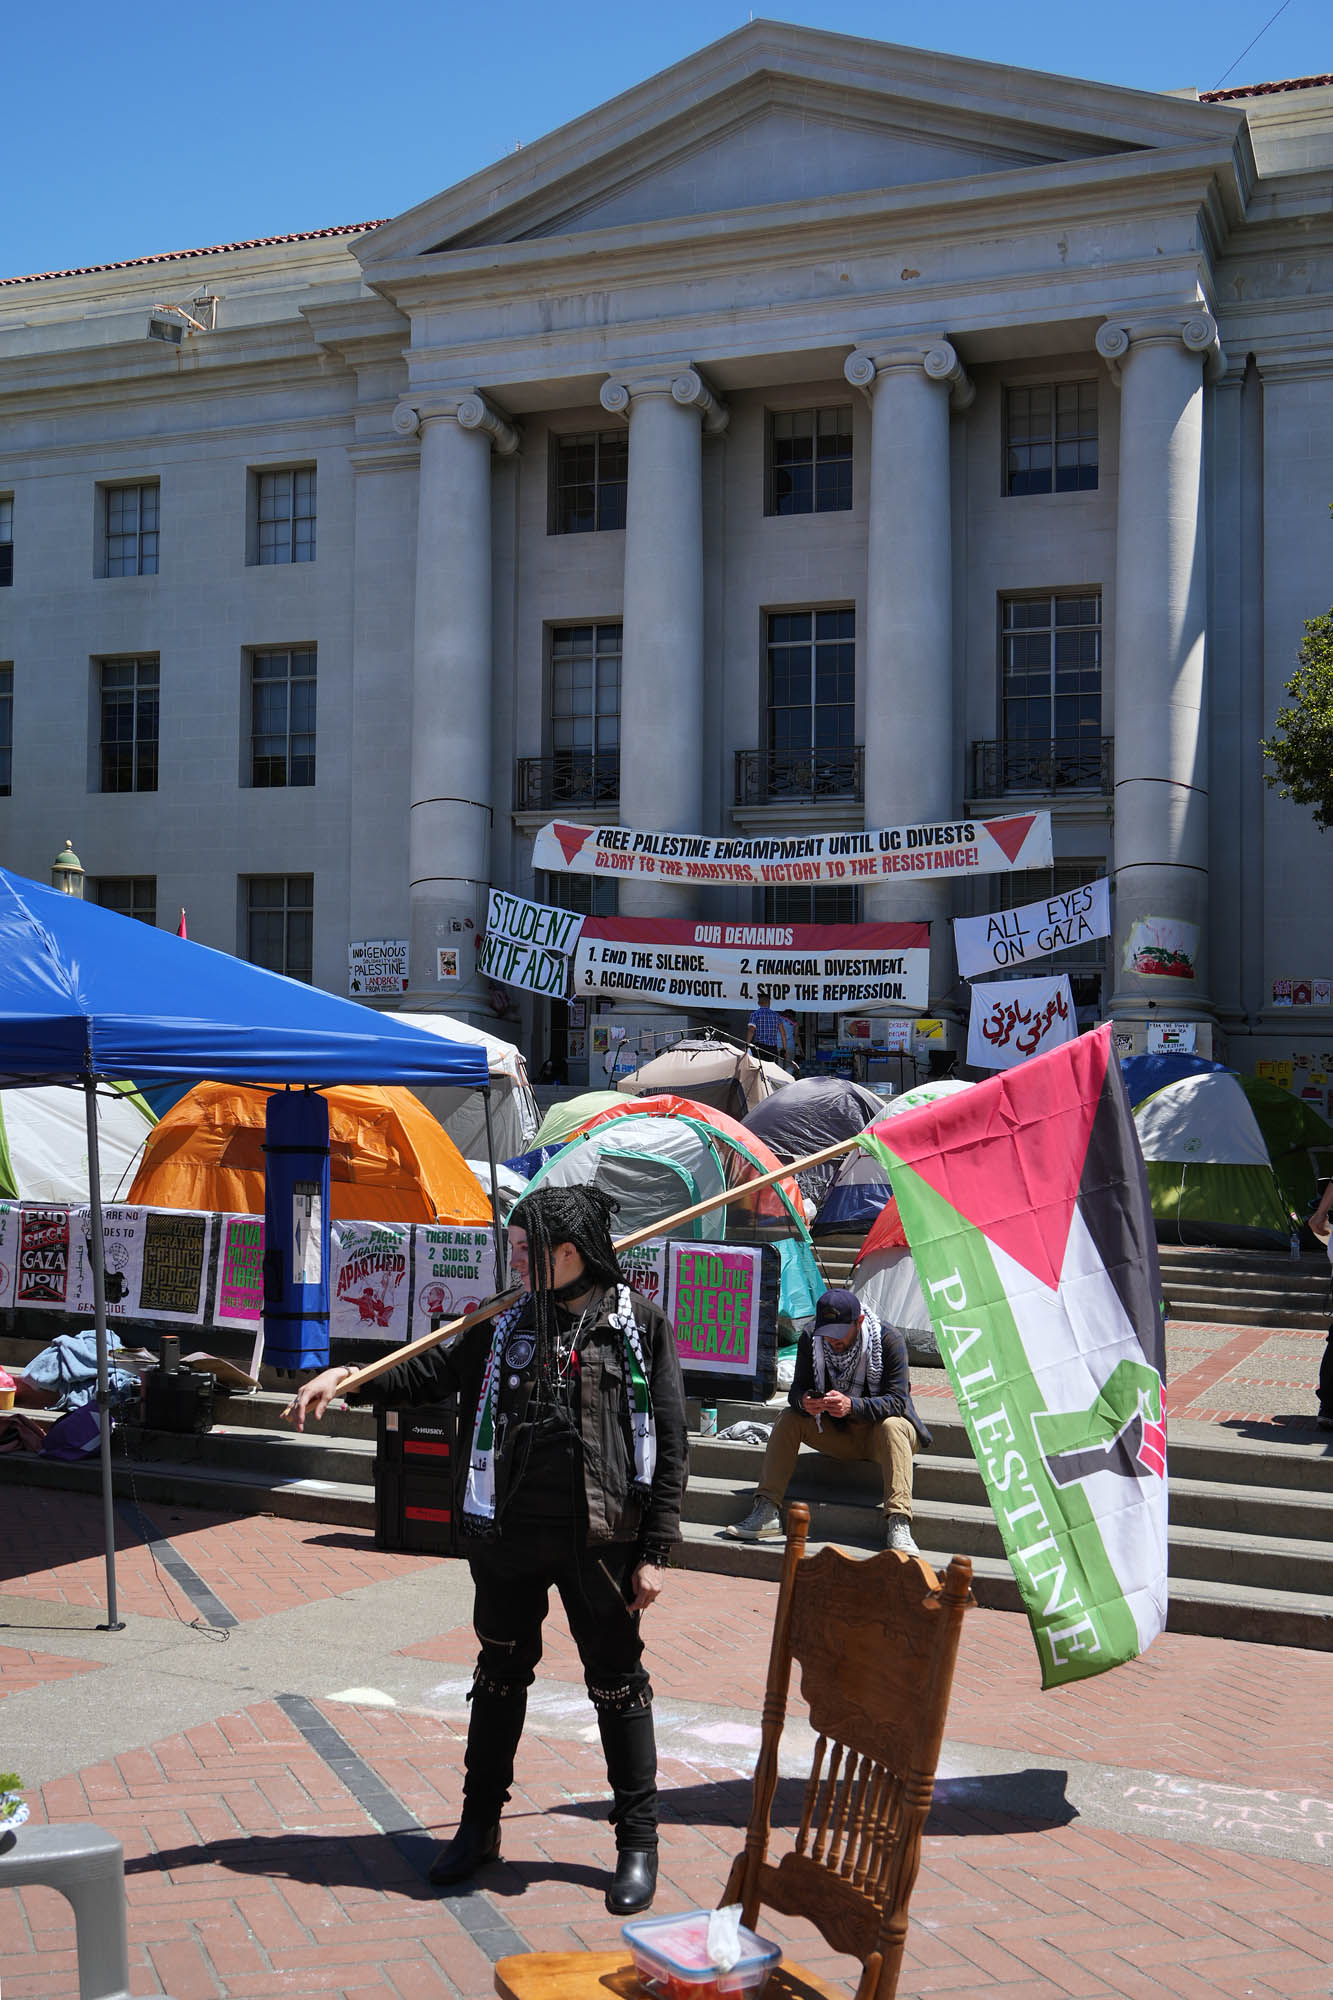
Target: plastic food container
{"type": "Point", "coordinates": [6, 1390]}
{"type": "Point", "coordinates": [671, 1959]}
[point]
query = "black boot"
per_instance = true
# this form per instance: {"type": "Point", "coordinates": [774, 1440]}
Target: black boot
{"type": "Point", "coordinates": [631, 1769]}
{"type": "Point", "coordinates": [461, 1857]}
{"type": "Point", "coordinates": [634, 1882]}
{"type": "Point", "coordinates": [495, 1724]}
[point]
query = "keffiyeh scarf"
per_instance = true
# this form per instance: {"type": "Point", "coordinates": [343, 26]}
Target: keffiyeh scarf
{"type": "Point", "coordinates": [479, 1497]}
{"type": "Point", "coordinates": [858, 1371]}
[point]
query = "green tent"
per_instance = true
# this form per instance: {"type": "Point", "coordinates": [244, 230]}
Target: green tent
{"type": "Point", "coordinates": [570, 1113]}
{"type": "Point", "coordinates": [1210, 1172]}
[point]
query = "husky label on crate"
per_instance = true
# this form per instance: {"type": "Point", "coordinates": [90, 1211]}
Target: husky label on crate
{"type": "Point", "coordinates": [455, 1271]}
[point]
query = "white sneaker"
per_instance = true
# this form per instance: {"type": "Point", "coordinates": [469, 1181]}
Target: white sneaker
{"type": "Point", "coordinates": [898, 1535]}
{"type": "Point", "coordinates": [762, 1524]}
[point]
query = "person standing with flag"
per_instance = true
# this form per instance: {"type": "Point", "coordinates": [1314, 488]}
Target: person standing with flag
{"type": "Point", "coordinates": [574, 1407]}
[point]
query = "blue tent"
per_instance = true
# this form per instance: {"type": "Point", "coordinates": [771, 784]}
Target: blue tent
{"type": "Point", "coordinates": [85, 993]}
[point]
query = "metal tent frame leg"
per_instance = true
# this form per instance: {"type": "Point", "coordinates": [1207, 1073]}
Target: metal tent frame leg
{"type": "Point", "coordinates": [113, 1623]}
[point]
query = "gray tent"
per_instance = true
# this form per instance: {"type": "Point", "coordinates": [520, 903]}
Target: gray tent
{"type": "Point", "coordinates": [813, 1112]}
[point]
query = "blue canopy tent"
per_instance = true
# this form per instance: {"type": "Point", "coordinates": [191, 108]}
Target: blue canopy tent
{"type": "Point", "coordinates": [85, 993]}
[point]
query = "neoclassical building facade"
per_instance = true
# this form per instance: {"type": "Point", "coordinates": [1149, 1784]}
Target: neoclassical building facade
{"type": "Point", "coordinates": [821, 435]}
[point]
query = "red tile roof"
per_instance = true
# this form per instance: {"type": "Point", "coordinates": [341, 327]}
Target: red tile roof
{"type": "Point", "coordinates": [208, 250]}
{"type": "Point", "coordinates": [1265, 89]}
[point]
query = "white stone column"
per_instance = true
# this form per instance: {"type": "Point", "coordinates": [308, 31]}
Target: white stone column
{"type": "Point", "coordinates": [905, 650]}
{"type": "Point", "coordinates": [1161, 737]}
{"type": "Point", "coordinates": [449, 827]}
{"type": "Point", "coordinates": [662, 674]}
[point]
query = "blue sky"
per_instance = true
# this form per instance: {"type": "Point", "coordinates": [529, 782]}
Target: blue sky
{"type": "Point", "coordinates": [179, 125]}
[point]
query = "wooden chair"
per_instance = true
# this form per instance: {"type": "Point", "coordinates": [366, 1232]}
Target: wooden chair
{"type": "Point", "coordinates": [876, 1640]}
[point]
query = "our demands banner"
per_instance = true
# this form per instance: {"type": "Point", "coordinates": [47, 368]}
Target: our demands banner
{"type": "Point", "coordinates": [1010, 937]}
{"type": "Point", "coordinates": [954, 847]}
{"type": "Point", "coordinates": [528, 944]}
{"type": "Point", "coordinates": [832, 967]}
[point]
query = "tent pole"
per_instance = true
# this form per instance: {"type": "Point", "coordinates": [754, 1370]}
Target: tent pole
{"type": "Point", "coordinates": [501, 1262]}
{"type": "Point", "coordinates": [113, 1624]}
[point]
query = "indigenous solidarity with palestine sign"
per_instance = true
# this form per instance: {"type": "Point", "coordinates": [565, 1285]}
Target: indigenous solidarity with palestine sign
{"type": "Point", "coordinates": [956, 847]}
{"type": "Point", "coordinates": [686, 964]}
{"type": "Point", "coordinates": [1025, 1204]}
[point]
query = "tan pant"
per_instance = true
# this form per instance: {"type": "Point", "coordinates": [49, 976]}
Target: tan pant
{"type": "Point", "coordinates": [890, 1444]}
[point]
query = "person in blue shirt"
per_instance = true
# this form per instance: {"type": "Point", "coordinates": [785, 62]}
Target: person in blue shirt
{"type": "Point", "coordinates": [767, 1031]}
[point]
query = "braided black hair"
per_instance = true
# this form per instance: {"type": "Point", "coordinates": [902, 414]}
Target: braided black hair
{"type": "Point", "coordinates": [578, 1215]}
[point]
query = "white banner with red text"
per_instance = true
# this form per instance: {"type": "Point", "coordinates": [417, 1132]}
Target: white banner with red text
{"type": "Point", "coordinates": [680, 963]}
{"type": "Point", "coordinates": [1013, 1019]}
{"type": "Point", "coordinates": [954, 847]}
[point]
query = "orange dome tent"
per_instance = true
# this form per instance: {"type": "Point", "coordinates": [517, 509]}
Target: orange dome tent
{"type": "Point", "coordinates": [390, 1160]}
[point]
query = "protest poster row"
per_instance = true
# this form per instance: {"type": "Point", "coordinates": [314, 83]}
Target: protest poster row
{"type": "Point", "coordinates": [389, 1281]}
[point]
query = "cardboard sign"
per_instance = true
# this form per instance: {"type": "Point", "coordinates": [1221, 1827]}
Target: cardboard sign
{"type": "Point", "coordinates": [646, 1268]}
{"type": "Point", "coordinates": [455, 1271]}
{"type": "Point", "coordinates": [953, 847]}
{"type": "Point", "coordinates": [1009, 937]}
{"type": "Point", "coordinates": [238, 1296]}
{"type": "Point", "coordinates": [370, 1298]}
{"type": "Point", "coordinates": [1013, 1019]}
{"type": "Point", "coordinates": [686, 964]}
{"type": "Point", "coordinates": [715, 1306]}
{"type": "Point", "coordinates": [1172, 1038]}
{"type": "Point", "coordinates": [528, 944]}
{"type": "Point", "coordinates": [377, 965]}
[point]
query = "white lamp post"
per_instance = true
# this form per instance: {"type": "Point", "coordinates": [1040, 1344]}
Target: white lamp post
{"type": "Point", "coordinates": [67, 871]}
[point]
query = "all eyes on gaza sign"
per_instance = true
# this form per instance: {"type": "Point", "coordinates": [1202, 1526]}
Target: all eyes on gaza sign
{"type": "Point", "coordinates": [945, 848]}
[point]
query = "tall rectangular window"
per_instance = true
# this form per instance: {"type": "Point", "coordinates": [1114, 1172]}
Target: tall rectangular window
{"type": "Point", "coordinates": [589, 480]}
{"type": "Point", "coordinates": [129, 896]}
{"type": "Point", "coordinates": [810, 461]}
{"type": "Point", "coordinates": [1051, 691]}
{"type": "Point", "coordinates": [830, 903]}
{"type": "Point", "coordinates": [6, 539]}
{"type": "Point", "coordinates": [811, 723]}
{"type": "Point", "coordinates": [6, 731]}
{"type": "Point", "coordinates": [1051, 438]}
{"type": "Point", "coordinates": [590, 895]}
{"type": "Point", "coordinates": [282, 717]}
{"type": "Point", "coordinates": [285, 516]}
{"type": "Point", "coordinates": [131, 523]}
{"type": "Point", "coordinates": [280, 923]}
{"type": "Point", "coordinates": [585, 712]}
{"type": "Point", "coordinates": [128, 694]}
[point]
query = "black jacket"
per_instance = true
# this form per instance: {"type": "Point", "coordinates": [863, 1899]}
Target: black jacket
{"type": "Point", "coordinates": [614, 1513]}
{"type": "Point", "coordinates": [895, 1390]}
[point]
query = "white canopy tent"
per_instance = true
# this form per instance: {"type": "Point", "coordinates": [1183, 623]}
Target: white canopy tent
{"type": "Point", "coordinates": [514, 1113]}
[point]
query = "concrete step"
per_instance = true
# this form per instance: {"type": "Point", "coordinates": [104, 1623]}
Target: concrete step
{"type": "Point", "coordinates": [1231, 1312]}
{"type": "Point", "coordinates": [184, 1483]}
{"type": "Point", "coordinates": [1208, 1285]}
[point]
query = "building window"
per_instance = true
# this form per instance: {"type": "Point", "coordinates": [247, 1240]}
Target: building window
{"type": "Point", "coordinates": [280, 923]}
{"type": "Point", "coordinates": [6, 731]}
{"type": "Point", "coordinates": [589, 478]}
{"type": "Point", "coordinates": [6, 540]}
{"type": "Point", "coordinates": [129, 896]}
{"type": "Point", "coordinates": [810, 461]}
{"type": "Point", "coordinates": [1051, 438]}
{"type": "Point", "coordinates": [285, 516]}
{"type": "Point", "coordinates": [824, 905]}
{"type": "Point", "coordinates": [282, 717]}
{"type": "Point", "coordinates": [128, 691]}
{"type": "Point", "coordinates": [131, 518]}
{"type": "Point", "coordinates": [585, 712]}
{"type": "Point", "coordinates": [1051, 694]}
{"type": "Point", "coordinates": [811, 721]}
{"type": "Point", "coordinates": [588, 894]}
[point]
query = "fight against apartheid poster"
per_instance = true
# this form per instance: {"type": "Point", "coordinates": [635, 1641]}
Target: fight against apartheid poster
{"type": "Point", "coordinates": [1009, 937]}
{"type": "Point", "coordinates": [1013, 1019]}
{"type": "Point", "coordinates": [952, 847]}
{"type": "Point", "coordinates": [1025, 1203]}
{"type": "Point", "coordinates": [370, 1297]}
{"type": "Point", "coordinates": [831, 967]}
{"type": "Point", "coordinates": [646, 1268]}
{"type": "Point", "coordinates": [528, 944]}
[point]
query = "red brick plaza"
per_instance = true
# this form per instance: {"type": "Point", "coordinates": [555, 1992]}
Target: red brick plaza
{"type": "Point", "coordinates": [1164, 1830]}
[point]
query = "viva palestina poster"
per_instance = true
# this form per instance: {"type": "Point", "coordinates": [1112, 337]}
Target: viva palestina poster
{"type": "Point", "coordinates": [944, 848]}
{"type": "Point", "coordinates": [1025, 1204]}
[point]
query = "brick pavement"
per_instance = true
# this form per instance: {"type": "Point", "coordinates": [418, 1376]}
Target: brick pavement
{"type": "Point", "coordinates": [20, 1669]}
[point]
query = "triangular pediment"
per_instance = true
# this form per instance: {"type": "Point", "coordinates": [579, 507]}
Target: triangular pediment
{"type": "Point", "coordinates": [775, 115]}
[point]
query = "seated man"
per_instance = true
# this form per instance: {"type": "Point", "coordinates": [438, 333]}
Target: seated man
{"type": "Point", "coordinates": [850, 1398]}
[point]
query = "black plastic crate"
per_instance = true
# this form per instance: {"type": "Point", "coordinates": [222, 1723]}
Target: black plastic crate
{"type": "Point", "coordinates": [414, 1479]}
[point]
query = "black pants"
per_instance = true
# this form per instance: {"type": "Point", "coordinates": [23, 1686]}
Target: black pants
{"type": "Point", "coordinates": [1326, 1377]}
{"type": "Point", "coordinates": [513, 1577]}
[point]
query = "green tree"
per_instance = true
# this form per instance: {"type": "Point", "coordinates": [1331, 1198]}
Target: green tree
{"type": "Point", "coordinates": [1301, 746]}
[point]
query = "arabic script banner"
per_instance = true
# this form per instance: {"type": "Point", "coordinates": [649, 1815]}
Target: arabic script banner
{"type": "Point", "coordinates": [952, 847]}
{"type": "Point", "coordinates": [682, 963]}
{"type": "Point", "coordinates": [1013, 1019]}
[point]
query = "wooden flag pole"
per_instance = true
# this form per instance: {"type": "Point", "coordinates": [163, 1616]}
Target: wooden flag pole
{"type": "Point", "coordinates": [384, 1362]}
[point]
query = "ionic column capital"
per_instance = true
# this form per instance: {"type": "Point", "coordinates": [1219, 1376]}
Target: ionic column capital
{"type": "Point", "coordinates": [685, 386]}
{"type": "Point", "coordinates": [1196, 331]}
{"type": "Point", "coordinates": [469, 409]}
{"type": "Point", "coordinates": [938, 358]}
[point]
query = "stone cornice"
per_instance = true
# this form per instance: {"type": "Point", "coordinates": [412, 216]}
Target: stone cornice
{"type": "Point", "coordinates": [936, 356]}
{"type": "Point", "coordinates": [1197, 331]}
{"type": "Point", "coordinates": [468, 408]}
{"type": "Point", "coordinates": [403, 456]}
{"type": "Point", "coordinates": [685, 386]}
{"type": "Point", "coordinates": [359, 330]}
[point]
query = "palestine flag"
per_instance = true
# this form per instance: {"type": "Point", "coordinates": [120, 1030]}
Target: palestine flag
{"type": "Point", "coordinates": [1025, 1203]}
